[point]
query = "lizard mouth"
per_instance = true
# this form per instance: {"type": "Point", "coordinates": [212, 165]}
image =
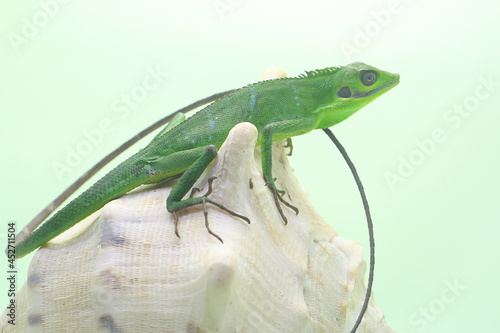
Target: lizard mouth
{"type": "Point", "coordinates": [376, 90]}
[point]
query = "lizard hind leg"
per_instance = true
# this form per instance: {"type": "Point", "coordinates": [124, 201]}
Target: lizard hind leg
{"type": "Point", "coordinates": [199, 158]}
{"type": "Point", "coordinates": [205, 212]}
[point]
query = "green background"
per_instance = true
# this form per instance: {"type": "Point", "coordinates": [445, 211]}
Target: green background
{"type": "Point", "coordinates": [436, 228]}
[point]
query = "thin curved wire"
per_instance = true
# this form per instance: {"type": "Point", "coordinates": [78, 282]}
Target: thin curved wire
{"type": "Point", "coordinates": [369, 222]}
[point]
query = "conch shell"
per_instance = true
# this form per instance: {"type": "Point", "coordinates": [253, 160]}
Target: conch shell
{"type": "Point", "coordinates": [124, 270]}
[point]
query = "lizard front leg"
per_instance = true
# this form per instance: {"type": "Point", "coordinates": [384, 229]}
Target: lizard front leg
{"type": "Point", "coordinates": [280, 129]}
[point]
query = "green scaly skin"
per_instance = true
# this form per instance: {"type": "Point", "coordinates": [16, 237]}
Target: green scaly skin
{"type": "Point", "coordinates": [280, 109]}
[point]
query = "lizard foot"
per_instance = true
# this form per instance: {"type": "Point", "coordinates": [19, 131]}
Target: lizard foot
{"type": "Point", "coordinates": [209, 191]}
{"type": "Point", "coordinates": [204, 199]}
{"type": "Point", "coordinates": [278, 197]}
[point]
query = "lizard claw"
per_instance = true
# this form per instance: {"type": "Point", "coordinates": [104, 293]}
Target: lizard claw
{"type": "Point", "coordinates": [289, 145]}
{"type": "Point", "coordinates": [209, 191]}
{"type": "Point", "coordinates": [278, 197]}
{"type": "Point", "coordinates": [203, 200]}
{"type": "Point", "coordinates": [176, 222]}
{"type": "Point", "coordinates": [205, 212]}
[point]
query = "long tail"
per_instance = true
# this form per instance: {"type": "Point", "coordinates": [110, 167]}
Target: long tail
{"type": "Point", "coordinates": [369, 222]}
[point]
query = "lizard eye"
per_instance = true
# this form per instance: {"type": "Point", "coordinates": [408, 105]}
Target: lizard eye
{"type": "Point", "coordinates": [344, 92]}
{"type": "Point", "coordinates": [368, 77]}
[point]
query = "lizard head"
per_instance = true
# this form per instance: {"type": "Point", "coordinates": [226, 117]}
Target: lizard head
{"type": "Point", "coordinates": [357, 84]}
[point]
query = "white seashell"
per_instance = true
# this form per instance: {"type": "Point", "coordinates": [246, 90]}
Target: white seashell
{"type": "Point", "coordinates": [126, 271]}
{"type": "Point", "coordinates": [123, 270]}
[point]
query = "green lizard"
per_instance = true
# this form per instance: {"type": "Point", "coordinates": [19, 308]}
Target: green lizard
{"type": "Point", "coordinates": [280, 109]}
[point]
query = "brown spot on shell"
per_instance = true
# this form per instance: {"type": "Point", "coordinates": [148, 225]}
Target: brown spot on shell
{"type": "Point", "coordinates": [192, 328]}
{"type": "Point", "coordinates": [107, 321]}
{"type": "Point", "coordinates": [110, 238]}
{"type": "Point", "coordinates": [35, 320]}
{"type": "Point", "coordinates": [110, 279]}
{"type": "Point", "coordinates": [34, 279]}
